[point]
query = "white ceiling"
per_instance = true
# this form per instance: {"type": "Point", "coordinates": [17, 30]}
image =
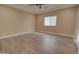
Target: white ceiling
{"type": "Point", "coordinates": [50, 7]}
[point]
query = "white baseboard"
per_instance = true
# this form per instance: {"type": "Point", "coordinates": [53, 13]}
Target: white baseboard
{"type": "Point", "coordinates": [60, 34]}
{"type": "Point", "coordinates": [15, 35]}
{"type": "Point", "coordinates": [34, 31]}
{"type": "Point", "coordinates": [64, 35]}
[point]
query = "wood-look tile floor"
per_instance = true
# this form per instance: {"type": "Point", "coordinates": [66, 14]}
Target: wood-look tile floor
{"type": "Point", "coordinates": [37, 43]}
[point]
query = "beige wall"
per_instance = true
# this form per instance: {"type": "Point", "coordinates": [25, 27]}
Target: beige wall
{"type": "Point", "coordinates": [65, 21]}
{"type": "Point", "coordinates": [13, 21]}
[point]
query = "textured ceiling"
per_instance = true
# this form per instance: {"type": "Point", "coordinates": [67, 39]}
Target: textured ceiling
{"type": "Point", "coordinates": [50, 7]}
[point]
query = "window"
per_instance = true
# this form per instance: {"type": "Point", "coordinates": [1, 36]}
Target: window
{"type": "Point", "coordinates": [50, 21]}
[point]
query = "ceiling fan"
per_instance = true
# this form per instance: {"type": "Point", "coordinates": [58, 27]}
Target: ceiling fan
{"type": "Point", "coordinates": [38, 5]}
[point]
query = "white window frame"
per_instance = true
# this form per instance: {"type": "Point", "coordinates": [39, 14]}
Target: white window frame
{"type": "Point", "coordinates": [51, 23]}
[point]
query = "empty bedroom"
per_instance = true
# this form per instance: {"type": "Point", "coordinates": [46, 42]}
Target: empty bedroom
{"type": "Point", "coordinates": [39, 28]}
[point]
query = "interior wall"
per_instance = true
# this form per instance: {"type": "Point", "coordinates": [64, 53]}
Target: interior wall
{"type": "Point", "coordinates": [77, 30]}
{"type": "Point", "coordinates": [13, 21]}
{"type": "Point", "coordinates": [65, 21]}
